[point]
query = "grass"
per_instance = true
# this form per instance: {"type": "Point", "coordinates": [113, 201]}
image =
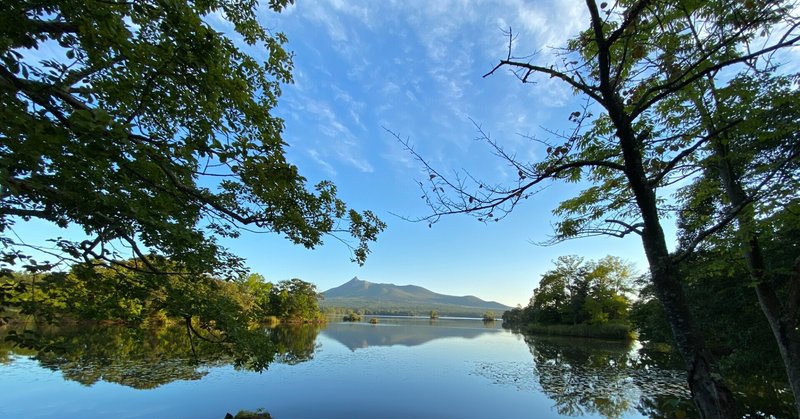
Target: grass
{"type": "Point", "coordinates": [617, 331]}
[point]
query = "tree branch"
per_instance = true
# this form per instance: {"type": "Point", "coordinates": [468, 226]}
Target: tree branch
{"type": "Point", "coordinates": [683, 81]}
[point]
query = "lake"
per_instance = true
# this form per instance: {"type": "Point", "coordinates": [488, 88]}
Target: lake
{"type": "Point", "coordinates": [399, 368]}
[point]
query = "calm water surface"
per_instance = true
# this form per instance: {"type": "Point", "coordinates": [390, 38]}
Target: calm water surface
{"type": "Point", "coordinates": [400, 368]}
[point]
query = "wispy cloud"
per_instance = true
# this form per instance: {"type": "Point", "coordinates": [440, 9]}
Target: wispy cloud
{"type": "Point", "coordinates": [314, 154]}
{"type": "Point", "coordinates": [338, 140]}
{"type": "Point", "coordinates": [418, 68]}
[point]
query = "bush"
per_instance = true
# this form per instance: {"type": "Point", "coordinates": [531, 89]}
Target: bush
{"type": "Point", "coordinates": [352, 317]}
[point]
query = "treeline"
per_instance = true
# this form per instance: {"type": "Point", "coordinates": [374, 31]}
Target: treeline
{"type": "Point", "coordinates": [423, 311]}
{"type": "Point", "coordinates": [144, 292]}
{"type": "Point", "coordinates": [579, 298]}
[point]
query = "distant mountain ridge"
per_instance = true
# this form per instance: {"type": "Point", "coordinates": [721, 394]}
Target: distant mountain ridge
{"type": "Point", "coordinates": [404, 299]}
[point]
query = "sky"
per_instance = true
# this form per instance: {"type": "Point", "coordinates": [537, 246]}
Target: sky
{"type": "Point", "coordinates": [366, 70]}
{"type": "Point", "coordinates": [363, 69]}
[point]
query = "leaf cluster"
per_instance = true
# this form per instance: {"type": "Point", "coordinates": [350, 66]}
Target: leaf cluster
{"type": "Point", "coordinates": [153, 132]}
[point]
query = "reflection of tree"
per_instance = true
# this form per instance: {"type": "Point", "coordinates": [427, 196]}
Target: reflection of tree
{"type": "Point", "coordinates": [294, 344]}
{"type": "Point", "coordinates": [589, 376]}
{"type": "Point", "coordinates": [148, 358]}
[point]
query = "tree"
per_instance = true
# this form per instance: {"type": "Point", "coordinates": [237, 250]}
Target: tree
{"type": "Point", "coordinates": [720, 292]}
{"type": "Point", "coordinates": [753, 166]}
{"type": "Point", "coordinates": [635, 57]}
{"type": "Point", "coordinates": [294, 299]}
{"type": "Point", "coordinates": [576, 292]}
{"type": "Point", "coordinates": [153, 132]}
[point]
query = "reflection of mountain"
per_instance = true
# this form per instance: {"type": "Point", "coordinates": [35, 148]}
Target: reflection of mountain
{"type": "Point", "coordinates": [407, 333]}
{"type": "Point", "coordinates": [390, 298]}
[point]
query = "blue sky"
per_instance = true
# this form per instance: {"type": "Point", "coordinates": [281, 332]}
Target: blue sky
{"type": "Point", "coordinates": [416, 68]}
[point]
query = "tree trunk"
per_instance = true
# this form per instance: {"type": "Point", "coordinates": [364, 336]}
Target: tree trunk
{"type": "Point", "coordinates": [712, 397]}
{"type": "Point", "coordinates": [782, 318]}
{"type": "Point", "coordinates": [785, 331]}
{"type": "Point", "coordinates": [710, 394]}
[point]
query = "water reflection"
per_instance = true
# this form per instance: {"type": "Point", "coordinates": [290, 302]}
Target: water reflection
{"type": "Point", "coordinates": [148, 358]}
{"type": "Point", "coordinates": [592, 377]}
{"type": "Point", "coordinates": [472, 370]}
{"type": "Point", "coordinates": [403, 331]}
{"type": "Point", "coordinates": [589, 376]}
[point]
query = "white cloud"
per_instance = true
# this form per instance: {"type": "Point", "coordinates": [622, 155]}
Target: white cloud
{"type": "Point", "coordinates": [340, 142]}
{"type": "Point", "coordinates": [314, 154]}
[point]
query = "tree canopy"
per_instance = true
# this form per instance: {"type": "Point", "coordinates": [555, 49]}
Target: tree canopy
{"type": "Point", "coordinates": [646, 71]}
{"type": "Point", "coordinates": [578, 292]}
{"type": "Point", "coordinates": [142, 124]}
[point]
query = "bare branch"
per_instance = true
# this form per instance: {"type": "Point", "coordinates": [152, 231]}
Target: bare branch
{"type": "Point", "coordinates": [629, 228]}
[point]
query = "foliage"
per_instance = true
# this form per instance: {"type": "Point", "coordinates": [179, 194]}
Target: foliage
{"type": "Point", "coordinates": [247, 414]}
{"type": "Point", "coordinates": [295, 300]}
{"type": "Point", "coordinates": [489, 316]}
{"type": "Point", "coordinates": [149, 129]}
{"type": "Point", "coordinates": [612, 331]}
{"type": "Point", "coordinates": [720, 291]}
{"type": "Point", "coordinates": [434, 314]}
{"type": "Point", "coordinates": [230, 314]}
{"type": "Point", "coordinates": [576, 292]}
{"type": "Point", "coordinates": [644, 68]}
{"type": "Point", "coordinates": [352, 317]}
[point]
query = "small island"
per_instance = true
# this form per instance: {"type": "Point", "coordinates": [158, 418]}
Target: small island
{"type": "Point", "coordinates": [489, 317]}
{"type": "Point", "coordinates": [352, 317]}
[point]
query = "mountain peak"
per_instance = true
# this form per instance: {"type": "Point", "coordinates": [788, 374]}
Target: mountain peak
{"type": "Point", "coordinates": [358, 294]}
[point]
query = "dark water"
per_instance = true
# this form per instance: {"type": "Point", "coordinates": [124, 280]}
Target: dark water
{"type": "Point", "coordinates": [399, 368]}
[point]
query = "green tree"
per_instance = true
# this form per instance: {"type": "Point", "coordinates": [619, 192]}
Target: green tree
{"type": "Point", "coordinates": [635, 58]}
{"type": "Point", "coordinates": [255, 286]}
{"type": "Point", "coordinates": [295, 300]}
{"type": "Point", "coordinates": [752, 165]}
{"type": "Point", "coordinates": [149, 128]}
{"type": "Point", "coordinates": [576, 292]}
{"type": "Point", "coordinates": [720, 291]}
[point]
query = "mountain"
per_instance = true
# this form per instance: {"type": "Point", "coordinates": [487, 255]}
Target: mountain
{"type": "Point", "coordinates": [404, 299]}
